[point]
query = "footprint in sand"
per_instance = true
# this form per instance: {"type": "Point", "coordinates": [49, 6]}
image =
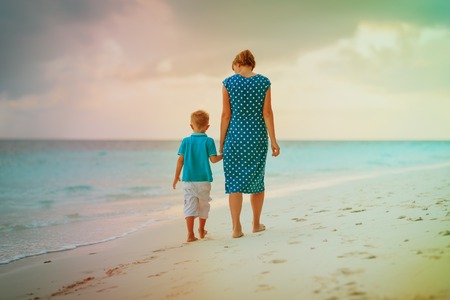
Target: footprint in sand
{"type": "Point", "coordinates": [299, 219]}
{"type": "Point", "coordinates": [434, 253]}
{"type": "Point", "coordinates": [264, 288]}
{"type": "Point", "coordinates": [364, 255]}
{"type": "Point", "coordinates": [266, 254]}
{"type": "Point", "coordinates": [441, 201]}
{"type": "Point", "coordinates": [332, 287]}
{"type": "Point", "coordinates": [347, 272]}
{"type": "Point", "coordinates": [294, 242]}
{"type": "Point", "coordinates": [415, 220]}
{"type": "Point", "coordinates": [170, 248]}
{"type": "Point", "coordinates": [116, 271]}
{"type": "Point", "coordinates": [157, 274]}
{"type": "Point", "coordinates": [182, 262]}
{"type": "Point", "coordinates": [356, 293]}
{"type": "Point", "coordinates": [68, 289]}
{"type": "Point", "coordinates": [318, 226]}
{"type": "Point", "coordinates": [144, 261]}
{"type": "Point", "coordinates": [357, 211]}
{"type": "Point", "coordinates": [277, 261]}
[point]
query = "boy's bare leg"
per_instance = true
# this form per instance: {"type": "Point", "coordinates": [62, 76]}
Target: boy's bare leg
{"type": "Point", "coordinates": [235, 202]}
{"type": "Point", "coordinates": [257, 201]}
{"type": "Point", "coordinates": [201, 228]}
{"type": "Point", "coordinates": [190, 228]}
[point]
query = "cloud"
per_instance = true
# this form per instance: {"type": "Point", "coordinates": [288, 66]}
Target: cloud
{"type": "Point", "coordinates": [389, 58]}
{"type": "Point", "coordinates": [397, 57]}
{"type": "Point", "coordinates": [386, 81]}
{"type": "Point", "coordinates": [152, 108]}
{"type": "Point", "coordinates": [189, 34]}
{"type": "Point", "coordinates": [343, 90]}
{"type": "Point", "coordinates": [40, 34]}
{"type": "Point", "coordinates": [137, 68]}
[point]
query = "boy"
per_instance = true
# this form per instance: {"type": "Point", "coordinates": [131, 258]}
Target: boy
{"type": "Point", "coordinates": [194, 153]}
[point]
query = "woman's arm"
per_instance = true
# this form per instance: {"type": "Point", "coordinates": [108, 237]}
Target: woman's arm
{"type": "Point", "coordinates": [226, 117]}
{"type": "Point", "coordinates": [270, 124]}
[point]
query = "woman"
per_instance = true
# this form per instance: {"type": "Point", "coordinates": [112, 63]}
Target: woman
{"type": "Point", "coordinates": [247, 119]}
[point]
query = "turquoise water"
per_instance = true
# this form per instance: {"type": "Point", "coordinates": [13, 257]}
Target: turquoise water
{"type": "Point", "coordinates": [58, 195]}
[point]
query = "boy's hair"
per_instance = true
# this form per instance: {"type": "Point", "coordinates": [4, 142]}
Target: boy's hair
{"type": "Point", "coordinates": [200, 118]}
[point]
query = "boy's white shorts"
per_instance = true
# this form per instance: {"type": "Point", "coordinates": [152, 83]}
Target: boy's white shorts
{"type": "Point", "coordinates": [196, 199]}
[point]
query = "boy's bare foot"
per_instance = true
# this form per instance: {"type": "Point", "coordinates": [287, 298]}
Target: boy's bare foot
{"type": "Point", "coordinates": [191, 239]}
{"type": "Point", "coordinates": [237, 234]}
{"type": "Point", "coordinates": [202, 233]}
{"type": "Point", "coordinates": [261, 227]}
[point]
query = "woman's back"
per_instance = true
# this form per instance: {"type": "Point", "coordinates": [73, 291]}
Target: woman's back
{"type": "Point", "coordinates": [247, 95]}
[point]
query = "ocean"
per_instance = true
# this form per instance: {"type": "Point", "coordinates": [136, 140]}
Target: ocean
{"type": "Point", "coordinates": [59, 195]}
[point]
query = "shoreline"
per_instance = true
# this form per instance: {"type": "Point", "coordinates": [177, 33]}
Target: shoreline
{"type": "Point", "coordinates": [363, 238]}
{"type": "Point", "coordinates": [173, 212]}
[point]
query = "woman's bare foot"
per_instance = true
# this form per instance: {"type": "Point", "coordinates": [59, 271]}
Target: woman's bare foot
{"type": "Point", "coordinates": [237, 231]}
{"type": "Point", "coordinates": [191, 238]}
{"type": "Point", "coordinates": [202, 233]}
{"type": "Point", "coordinates": [261, 227]}
{"type": "Point", "coordinates": [237, 234]}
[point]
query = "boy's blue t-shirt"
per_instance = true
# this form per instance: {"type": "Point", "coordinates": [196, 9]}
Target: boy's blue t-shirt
{"type": "Point", "coordinates": [196, 150]}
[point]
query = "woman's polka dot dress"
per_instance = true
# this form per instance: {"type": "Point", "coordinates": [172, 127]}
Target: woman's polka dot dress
{"type": "Point", "coordinates": [246, 142]}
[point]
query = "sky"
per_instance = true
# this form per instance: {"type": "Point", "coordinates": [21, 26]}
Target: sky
{"type": "Point", "coordinates": [136, 69]}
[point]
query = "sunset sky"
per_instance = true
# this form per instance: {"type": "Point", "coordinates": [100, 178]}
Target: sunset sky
{"type": "Point", "coordinates": [136, 69]}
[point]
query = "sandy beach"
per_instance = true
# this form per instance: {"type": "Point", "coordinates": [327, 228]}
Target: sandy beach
{"type": "Point", "coordinates": [382, 237]}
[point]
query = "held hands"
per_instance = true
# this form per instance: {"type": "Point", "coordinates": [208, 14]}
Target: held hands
{"type": "Point", "coordinates": [275, 149]}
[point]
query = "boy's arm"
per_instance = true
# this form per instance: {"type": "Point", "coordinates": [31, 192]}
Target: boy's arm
{"type": "Point", "coordinates": [215, 158]}
{"type": "Point", "coordinates": [180, 163]}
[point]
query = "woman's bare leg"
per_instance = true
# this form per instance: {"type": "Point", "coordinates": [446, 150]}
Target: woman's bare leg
{"type": "Point", "coordinates": [235, 202]}
{"type": "Point", "coordinates": [257, 201]}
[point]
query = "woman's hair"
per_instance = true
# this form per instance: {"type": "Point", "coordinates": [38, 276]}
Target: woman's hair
{"type": "Point", "coordinates": [244, 58]}
{"type": "Point", "coordinates": [200, 118]}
